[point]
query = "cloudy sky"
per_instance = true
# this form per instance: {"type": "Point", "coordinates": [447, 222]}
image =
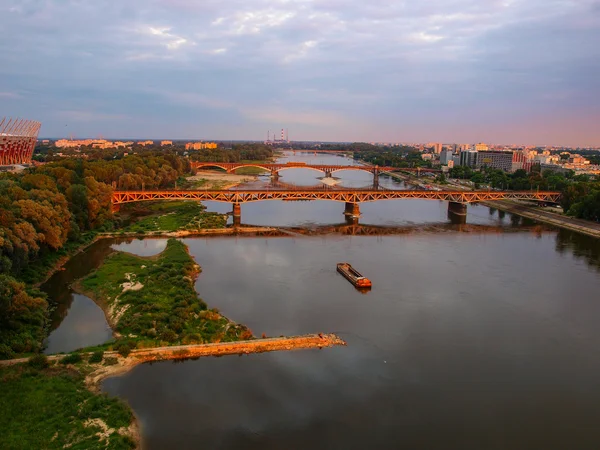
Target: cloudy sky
{"type": "Point", "coordinates": [502, 71]}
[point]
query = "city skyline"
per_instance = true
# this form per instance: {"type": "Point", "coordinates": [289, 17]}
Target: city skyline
{"type": "Point", "coordinates": [504, 72]}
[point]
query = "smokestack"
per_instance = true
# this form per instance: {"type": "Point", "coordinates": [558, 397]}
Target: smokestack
{"type": "Point", "coordinates": [287, 134]}
{"type": "Point", "coordinates": [282, 135]}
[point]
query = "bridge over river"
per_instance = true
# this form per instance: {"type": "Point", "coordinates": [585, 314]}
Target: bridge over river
{"type": "Point", "coordinates": [327, 169]}
{"type": "Point", "coordinates": [457, 200]}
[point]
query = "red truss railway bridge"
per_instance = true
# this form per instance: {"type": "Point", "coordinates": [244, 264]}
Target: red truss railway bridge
{"type": "Point", "coordinates": [457, 200]}
{"type": "Point", "coordinates": [327, 169]}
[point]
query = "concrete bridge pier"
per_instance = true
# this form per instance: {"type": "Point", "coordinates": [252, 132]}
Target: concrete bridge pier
{"type": "Point", "coordinates": [274, 175]}
{"type": "Point", "coordinates": [457, 208]}
{"type": "Point", "coordinates": [237, 214]}
{"type": "Point", "coordinates": [328, 174]}
{"type": "Point", "coordinates": [376, 178]}
{"type": "Point", "coordinates": [352, 209]}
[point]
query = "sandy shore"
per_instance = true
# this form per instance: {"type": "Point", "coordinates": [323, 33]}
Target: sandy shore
{"type": "Point", "coordinates": [216, 179]}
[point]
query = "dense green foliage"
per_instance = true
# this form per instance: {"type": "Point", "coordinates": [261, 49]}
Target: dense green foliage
{"type": "Point", "coordinates": [96, 357]}
{"type": "Point", "coordinates": [46, 212]}
{"type": "Point", "coordinates": [175, 216]}
{"type": "Point", "coordinates": [163, 308]}
{"type": "Point", "coordinates": [51, 408]}
{"type": "Point", "coordinates": [71, 358]}
{"type": "Point", "coordinates": [22, 318]}
{"type": "Point", "coordinates": [238, 152]}
{"type": "Point", "coordinates": [392, 157]}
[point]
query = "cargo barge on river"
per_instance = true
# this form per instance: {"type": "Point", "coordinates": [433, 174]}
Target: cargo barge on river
{"type": "Point", "coordinates": [353, 276]}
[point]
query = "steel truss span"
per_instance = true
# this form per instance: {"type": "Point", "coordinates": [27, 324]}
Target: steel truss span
{"type": "Point", "coordinates": [348, 196]}
{"type": "Point", "coordinates": [17, 140]}
{"type": "Point", "coordinates": [326, 168]}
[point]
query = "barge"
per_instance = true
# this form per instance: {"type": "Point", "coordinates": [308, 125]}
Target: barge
{"type": "Point", "coordinates": [353, 276]}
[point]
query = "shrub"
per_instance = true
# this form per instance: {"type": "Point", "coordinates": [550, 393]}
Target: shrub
{"type": "Point", "coordinates": [169, 336]}
{"type": "Point", "coordinates": [123, 348]}
{"type": "Point", "coordinates": [72, 358]}
{"type": "Point", "coordinates": [39, 361]}
{"type": "Point", "coordinates": [97, 356]}
{"type": "Point", "coordinates": [110, 361]}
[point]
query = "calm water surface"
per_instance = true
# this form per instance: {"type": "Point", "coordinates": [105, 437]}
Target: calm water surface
{"type": "Point", "coordinates": [468, 340]}
{"type": "Point", "coordinates": [465, 341]}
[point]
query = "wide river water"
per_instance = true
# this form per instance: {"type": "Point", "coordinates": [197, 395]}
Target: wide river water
{"type": "Point", "coordinates": [480, 337]}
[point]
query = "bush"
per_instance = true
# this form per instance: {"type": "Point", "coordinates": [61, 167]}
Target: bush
{"type": "Point", "coordinates": [110, 361]}
{"type": "Point", "coordinates": [39, 361]}
{"type": "Point", "coordinates": [72, 358]}
{"type": "Point", "coordinates": [168, 335]}
{"type": "Point", "coordinates": [97, 356]}
{"type": "Point", "coordinates": [124, 349]}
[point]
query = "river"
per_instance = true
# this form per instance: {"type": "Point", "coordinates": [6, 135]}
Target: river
{"type": "Point", "coordinates": [478, 339]}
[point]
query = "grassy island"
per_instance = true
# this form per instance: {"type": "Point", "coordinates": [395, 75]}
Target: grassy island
{"type": "Point", "coordinates": [176, 216]}
{"type": "Point", "coordinates": [50, 407]}
{"type": "Point", "coordinates": [152, 302]}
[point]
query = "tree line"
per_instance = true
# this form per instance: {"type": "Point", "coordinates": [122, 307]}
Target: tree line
{"type": "Point", "coordinates": [403, 156]}
{"type": "Point", "coordinates": [580, 193]}
{"type": "Point", "coordinates": [45, 208]}
{"type": "Point", "coordinates": [238, 152]}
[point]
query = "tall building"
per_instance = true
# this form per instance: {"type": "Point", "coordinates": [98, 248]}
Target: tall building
{"type": "Point", "coordinates": [468, 158]}
{"type": "Point", "coordinates": [481, 147]}
{"type": "Point", "coordinates": [17, 140]}
{"type": "Point", "coordinates": [495, 160]}
{"type": "Point", "coordinates": [445, 156]}
{"type": "Point", "coordinates": [437, 148]}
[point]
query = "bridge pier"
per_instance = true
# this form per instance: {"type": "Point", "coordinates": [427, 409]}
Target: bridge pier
{"type": "Point", "coordinates": [351, 220]}
{"type": "Point", "coordinates": [328, 174]}
{"type": "Point", "coordinates": [376, 178]}
{"type": "Point", "coordinates": [457, 208]}
{"type": "Point", "coordinates": [115, 208]}
{"type": "Point", "coordinates": [274, 175]}
{"type": "Point", "coordinates": [352, 209]}
{"type": "Point", "coordinates": [237, 214]}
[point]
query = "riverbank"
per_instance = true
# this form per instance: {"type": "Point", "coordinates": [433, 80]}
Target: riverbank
{"type": "Point", "coordinates": [569, 223]}
{"type": "Point", "coordinates": [49, 406]}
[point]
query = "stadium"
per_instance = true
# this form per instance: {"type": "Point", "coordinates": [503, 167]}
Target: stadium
{"type": "Point", "coordinates": [17, 140]}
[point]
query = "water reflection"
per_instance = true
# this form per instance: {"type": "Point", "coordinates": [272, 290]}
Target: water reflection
{"type": "Point", "coordinates": [76, 321]}
{"type": "Point", "coordinates": [458, 328]}
{"type": "Point", "coordinates": [581, 246]}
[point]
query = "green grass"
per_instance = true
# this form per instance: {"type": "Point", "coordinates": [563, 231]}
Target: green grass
{"type": "Point", "coordinates": [166, 310]}
{"type": "Point", "coordinates": [176, 216]}
{"type": "Point", "coordinates": [48, 408]}
{"type": "Point", "coordinates": [250, 171]}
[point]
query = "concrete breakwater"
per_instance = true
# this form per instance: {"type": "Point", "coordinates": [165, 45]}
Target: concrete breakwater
{"type": "Point", "coordinates": [238, 347]}
{"type": "Point", "coordinates": [138, 356]}
{"type": "Point", "coordinates": [180, 352]}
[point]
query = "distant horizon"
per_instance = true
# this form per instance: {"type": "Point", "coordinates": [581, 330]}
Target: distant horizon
{"type": "Point", "coordinates": [464, 71]}
{"type": "Point", "coordinates": [316, 141]}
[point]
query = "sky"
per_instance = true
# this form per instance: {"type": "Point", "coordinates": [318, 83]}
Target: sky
{"type": "Point", "coordinates": [463, 71]}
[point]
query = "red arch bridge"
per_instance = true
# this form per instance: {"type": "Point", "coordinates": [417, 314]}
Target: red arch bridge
{"type": "Point", "coordinates": [327, 169]}
{"type": "Point", "coordinates": [457, 200]}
